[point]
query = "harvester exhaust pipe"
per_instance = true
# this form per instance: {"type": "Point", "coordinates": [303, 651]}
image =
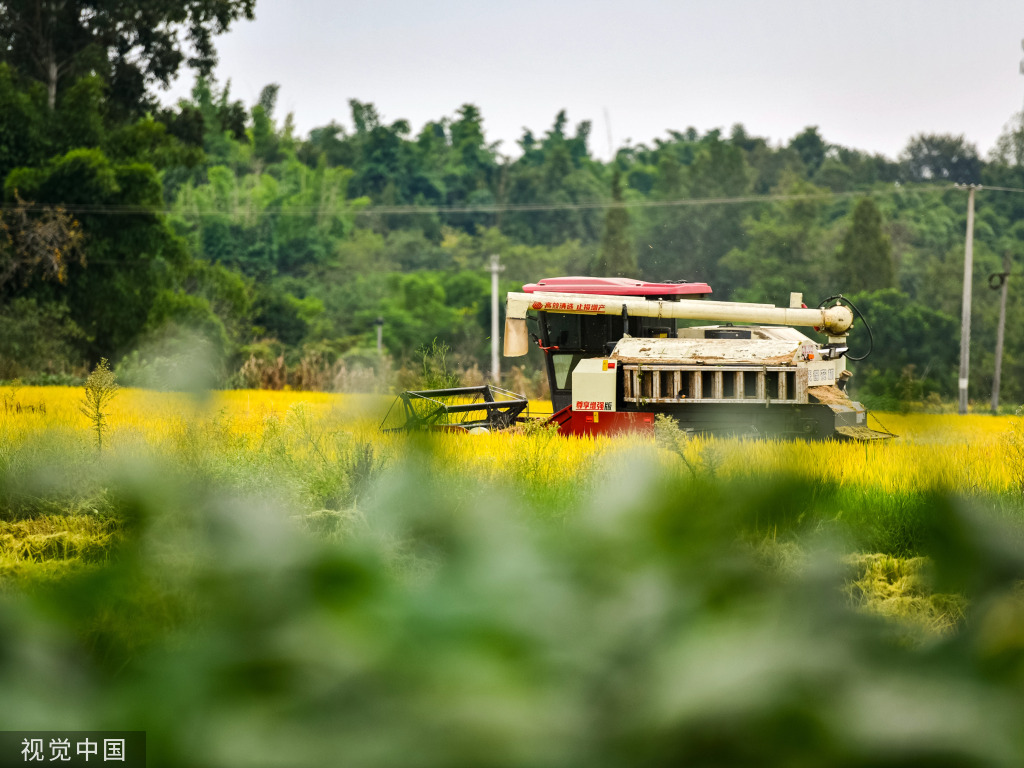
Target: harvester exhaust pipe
{"type": "Point", "coordinates": [834, 321]}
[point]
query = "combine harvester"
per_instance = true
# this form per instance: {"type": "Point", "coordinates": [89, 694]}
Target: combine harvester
{"type": "Point", "coordinates": [616, 358]}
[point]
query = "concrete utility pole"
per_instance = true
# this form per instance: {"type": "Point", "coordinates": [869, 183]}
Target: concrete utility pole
{"type": "Point", "coordinates": [965, 314]}
{"type": "Point", "coordinates": [495, 269]}
{"type": "Point", "coordinates": [1000, 280]}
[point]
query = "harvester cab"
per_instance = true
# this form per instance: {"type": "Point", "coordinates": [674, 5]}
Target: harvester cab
{"type": "Point", "coordinates": [616, 357]}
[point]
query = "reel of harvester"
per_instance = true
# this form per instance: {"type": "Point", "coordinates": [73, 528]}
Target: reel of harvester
{"type": "Point", "coordinates": [458, 408]}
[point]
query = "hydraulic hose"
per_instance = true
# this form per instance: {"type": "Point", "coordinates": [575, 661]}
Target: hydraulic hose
{"type": "Point", "coordinates": [840, 299]}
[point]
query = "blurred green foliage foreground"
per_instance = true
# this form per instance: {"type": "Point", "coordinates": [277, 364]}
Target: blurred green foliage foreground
{"type": "Point", "coordinates": [660, 621]}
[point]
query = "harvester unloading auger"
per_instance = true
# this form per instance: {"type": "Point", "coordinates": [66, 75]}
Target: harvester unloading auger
{"type": "Point", "coordinates": [616, 358]}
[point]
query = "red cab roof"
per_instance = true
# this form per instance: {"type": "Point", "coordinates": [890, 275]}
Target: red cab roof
{"type": "Point", "coordinates": [615, 286]}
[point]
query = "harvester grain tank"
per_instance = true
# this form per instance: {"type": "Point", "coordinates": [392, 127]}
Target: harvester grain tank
{"type": "Point", "coordinates": [616, 357]}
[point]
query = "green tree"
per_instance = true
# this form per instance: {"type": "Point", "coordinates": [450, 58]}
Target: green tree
{"type": "Point", "coordinates": [281, 221]}
{"type": "Point", "coordinates": [811, 148]}
{"type": "Point", "coordinates": [616, 257]}
{"type": "Point", "coordinates": [132, 44]}
{"type": "Point", "coordinates": [23, 123]}
{"type": "Point", "coordinates": [266, 141]}
{"type": "Point", "coordinates": [784, 250]}
{"type": "Point", "coordinates": [941, 157]}
{"type": "Point", "coordinates": [37, 339]}
{"type": "Point", "coordinates": [865, 258]}
{"type": "Point", "coordinates": [212, 120]}
{"type": "Point", "coordinates": [1009, 148]}
{"type": "Point", "coordinates": [559, 172]}
{"type": "Point", "coordinates": [130, 255]}
{"type": "Point", "coordinates": [908, 336]}
{"type": "Point", "coordinates": [688, 242]}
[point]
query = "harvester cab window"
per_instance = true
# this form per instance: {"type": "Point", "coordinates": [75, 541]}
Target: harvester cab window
{"type": "Point", "coordinates": [563, 331]}
{"type": "Point", "coordinates": [590, 333]}
{"type": "Point", "coordinates": [563, 365]}
{"type": "Point", "coordinates": [596, 334]}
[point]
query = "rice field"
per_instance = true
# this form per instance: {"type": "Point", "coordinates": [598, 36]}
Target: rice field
{"type": "Point", "coordinates": [265, 578]}
{"type": "Point", "coordinates": [324, 454]}
{"type": "Point", "coordinates": [943, 452]}
{"type": "Point", "coordinates": [302, 439]}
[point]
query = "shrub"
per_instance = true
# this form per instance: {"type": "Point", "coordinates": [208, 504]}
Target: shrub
{"type": "Point", "coordinates": [37, 340]}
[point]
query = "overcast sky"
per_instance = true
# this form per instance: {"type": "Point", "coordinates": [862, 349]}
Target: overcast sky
{"type": "Point", "coordinates": [869, 73]}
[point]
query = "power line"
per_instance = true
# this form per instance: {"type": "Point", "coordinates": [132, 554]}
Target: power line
{"type": "Point", "coordinates": [398, 210]}
{"type": "Point", "coordinates": [690, 202]}
{"type": "Point", "coordinates": [419, 210]}
{"type": "Point", "coordinates": [984, 188]}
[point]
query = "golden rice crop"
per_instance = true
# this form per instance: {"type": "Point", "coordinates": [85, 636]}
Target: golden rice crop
{"type": "Point", "coordinates": [308, 447]}
{"type": "Point", "coordinates": [962, 453]}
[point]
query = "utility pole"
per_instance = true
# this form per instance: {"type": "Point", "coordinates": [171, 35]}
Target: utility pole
{"type": "Point", "coordinates": [1001, 280]}
{"type": "Point", "coordinates": [965, 314]}
{"type": "Point", "coordinates": [379, 322]}
{"type": "Point", "coordinates": [495, 269]}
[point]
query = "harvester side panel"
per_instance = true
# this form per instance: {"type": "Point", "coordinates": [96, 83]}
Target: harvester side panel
{"type": "Point", "coordinates": [594, 384]}
{"type": "Point", "coordinates": [682, 384]}
{"type": "Point", "coordinates": [593, 423]}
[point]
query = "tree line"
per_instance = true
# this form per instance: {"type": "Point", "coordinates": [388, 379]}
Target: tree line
{"type": "Point", "coordinates": [211, 235]}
